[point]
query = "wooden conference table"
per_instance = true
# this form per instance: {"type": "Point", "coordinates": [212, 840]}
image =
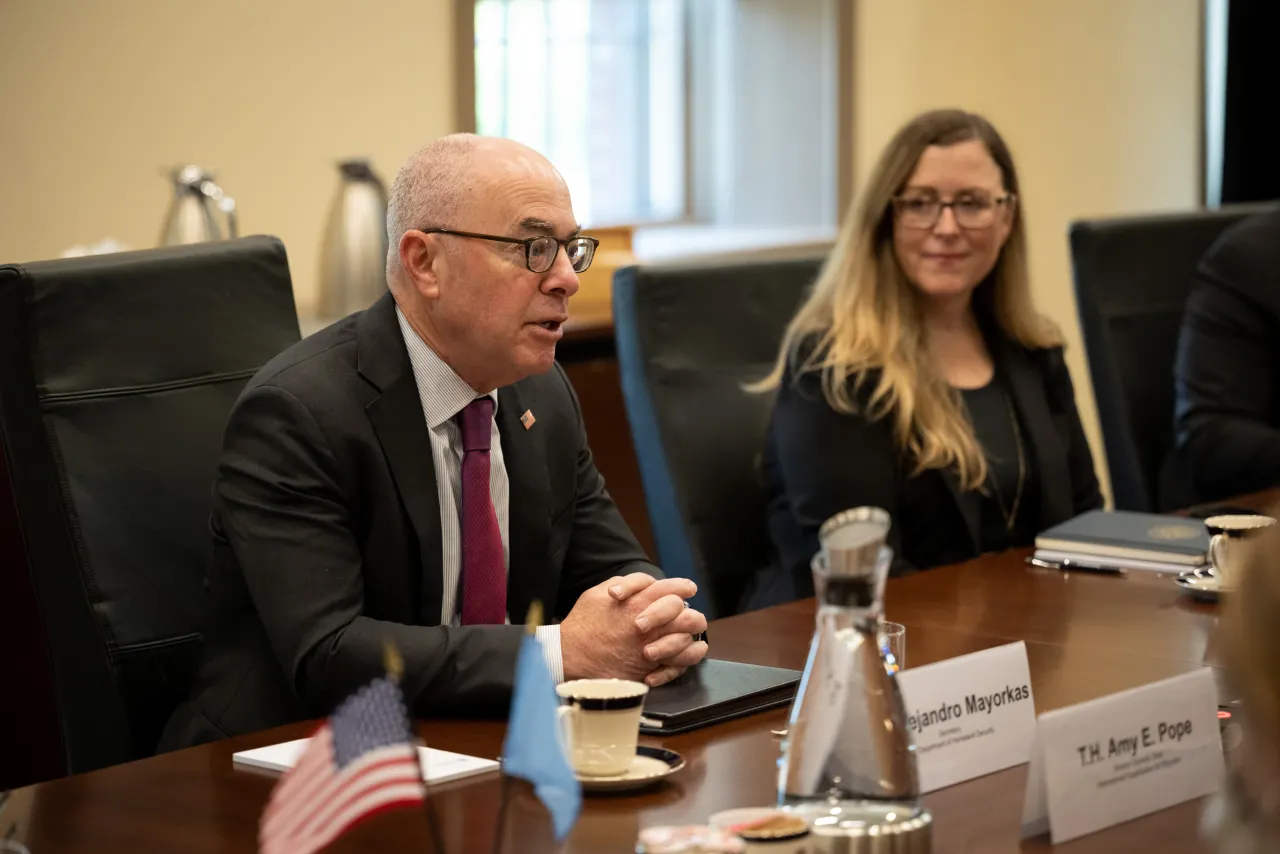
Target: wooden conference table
{"type": "Point", "coordinates": [1087, 635]}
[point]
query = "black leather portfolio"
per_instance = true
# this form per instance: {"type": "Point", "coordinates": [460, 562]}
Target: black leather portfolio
{"type": "Point", "coordinates": [715, 691]}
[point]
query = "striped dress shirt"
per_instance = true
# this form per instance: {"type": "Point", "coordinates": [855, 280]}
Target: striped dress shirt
{"type": "Point", "coordinates": [444, 394]}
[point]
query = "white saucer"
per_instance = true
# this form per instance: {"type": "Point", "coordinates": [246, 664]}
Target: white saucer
{"type": "Point", "coordinates": [1202, 583]}
{"type": "Point", "coordinates": [650, 765]}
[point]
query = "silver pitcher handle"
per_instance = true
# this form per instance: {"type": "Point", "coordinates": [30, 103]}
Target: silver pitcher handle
{"type": "Point", "coordinates": [225, 203]}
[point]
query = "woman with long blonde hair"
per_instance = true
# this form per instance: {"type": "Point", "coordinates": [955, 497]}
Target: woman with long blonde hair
{"type": "Point", "coordinates": [918, 377]}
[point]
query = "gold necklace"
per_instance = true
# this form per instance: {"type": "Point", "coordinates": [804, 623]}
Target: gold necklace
{"type": "Point", "coordinates": [1010, 516]}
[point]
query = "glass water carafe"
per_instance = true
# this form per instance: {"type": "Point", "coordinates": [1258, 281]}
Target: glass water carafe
{"type": "Point", "coordinates": [848, 764]}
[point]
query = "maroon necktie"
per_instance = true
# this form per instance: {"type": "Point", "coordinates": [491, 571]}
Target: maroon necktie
{"type": "Point", "coordinates": [484, 577]}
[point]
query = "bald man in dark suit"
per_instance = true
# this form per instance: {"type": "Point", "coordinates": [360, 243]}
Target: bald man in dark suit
{"type": "Point", "coordinates": [419, 473]}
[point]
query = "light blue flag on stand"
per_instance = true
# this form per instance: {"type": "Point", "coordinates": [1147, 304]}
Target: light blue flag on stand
{"type": "Point", "coordinates": [533, 749]}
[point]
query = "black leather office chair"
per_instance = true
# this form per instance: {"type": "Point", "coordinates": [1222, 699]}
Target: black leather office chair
{"type": "Point", "coordinates": [1132, 278]}
{"type": "Point", "coordinates": [31, 747]}
{"type": "Point", "coordinates": [117, 373]}
{"type": "Point", "coordinates": [688, 338]}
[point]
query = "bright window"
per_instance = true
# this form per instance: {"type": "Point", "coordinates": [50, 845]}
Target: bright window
{"type": "Point", "coordinates": [599, 86]}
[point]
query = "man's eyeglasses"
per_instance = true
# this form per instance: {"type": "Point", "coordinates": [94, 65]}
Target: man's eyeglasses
{"type": "Point", "coordinates": [972, 211]}
{"type": "Point", "coordinates": [539, 252]}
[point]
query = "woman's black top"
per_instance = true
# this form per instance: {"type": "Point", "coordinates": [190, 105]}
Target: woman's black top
{"type": "Point", "coordinates": [1010, 477]}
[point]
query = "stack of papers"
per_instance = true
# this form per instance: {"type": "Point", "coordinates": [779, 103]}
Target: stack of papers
{"type": "Point", "coordinates": [441, 766]}
{"type": "Point", "coordinates": [1107, 563]}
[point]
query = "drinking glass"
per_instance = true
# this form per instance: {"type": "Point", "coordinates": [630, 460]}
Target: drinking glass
{"type": "Point", "coordinates": [893, 638]}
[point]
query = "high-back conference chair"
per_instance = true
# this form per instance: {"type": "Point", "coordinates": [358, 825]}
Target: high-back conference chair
{"type": "Point", "coordinates": [1132, 279]}
{"type": "Point", "coordinates": [117, 374]}
{"type": "Point", "coordinates": [30, 738]}
{"type": "Point", "coordinates": [689, 337]}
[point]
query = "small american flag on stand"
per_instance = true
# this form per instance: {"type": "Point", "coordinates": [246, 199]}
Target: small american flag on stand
{"type": "Point", "coordinates": [360, 762]}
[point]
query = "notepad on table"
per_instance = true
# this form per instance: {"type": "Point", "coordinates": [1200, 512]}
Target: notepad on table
{"type": "Point", "coordinates": [441, 766]}
{"type": "Point", "coordinates": [1127, 539]}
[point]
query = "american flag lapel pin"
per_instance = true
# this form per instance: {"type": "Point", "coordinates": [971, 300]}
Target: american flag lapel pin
{"type": "Point", "coordinates": [527, 419]}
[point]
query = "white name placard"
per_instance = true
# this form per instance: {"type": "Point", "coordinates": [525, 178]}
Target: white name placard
{"type": "Point", "coordinates": [1125, 755]}
{"type": "Point", "coordinates": [970, 715]}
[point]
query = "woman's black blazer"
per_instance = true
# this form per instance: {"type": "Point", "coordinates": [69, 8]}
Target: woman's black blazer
{"type": "Point", "coordinates": [818, 461]}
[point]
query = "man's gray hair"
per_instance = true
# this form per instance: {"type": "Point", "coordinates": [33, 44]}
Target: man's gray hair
{"type": "Point", "coordinates": [428, 190]}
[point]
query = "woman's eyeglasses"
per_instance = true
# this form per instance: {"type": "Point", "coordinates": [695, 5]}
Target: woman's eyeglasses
{"type": "Point", "coordinates": [971, 211]}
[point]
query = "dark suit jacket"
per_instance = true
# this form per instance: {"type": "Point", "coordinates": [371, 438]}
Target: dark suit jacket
{"type": "Point", "coordinates": [326, 538]}
{"type": "Point", "coordinates": [819, 461]}
{"type": "Point", "coordinates": [1227, 373]}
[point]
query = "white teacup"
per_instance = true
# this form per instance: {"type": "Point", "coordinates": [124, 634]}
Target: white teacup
{"type": "Point", "coordinates": [600, 720]}
{"type": "Point", "coordinates": [1227, 536]}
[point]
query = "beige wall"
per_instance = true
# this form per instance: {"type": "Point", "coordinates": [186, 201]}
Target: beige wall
{"type": "Point", "coordinates": [1099, 100]}
{"type": "Point", "coordinates": [99, 96]}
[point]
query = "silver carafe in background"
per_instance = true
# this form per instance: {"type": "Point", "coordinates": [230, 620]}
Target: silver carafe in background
{"type": "Point", "coordinates": [353, 257]}
{"type": "Point", "coordinates": [192, 217]}
{"type": "Point", "coordinates": [848, 764]}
